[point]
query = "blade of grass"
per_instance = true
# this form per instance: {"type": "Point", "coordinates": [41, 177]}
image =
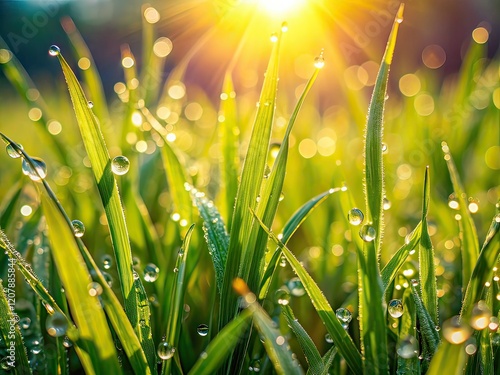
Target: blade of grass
{"type": "Point", "coordinates": [16, 357]}
{"type": "Point", "coordinates": [178, 291]}
{"type": "Point", "coordinates": [313, 358]}
{"type": "Point", "coordinates": [470, 242]}
{"type": "Point", "coordinates": [275, 344]}
{"type": "Point", "coordinates": [249, 188]}
{"type": "Point", "coordinates": [222, 345]}
{"type": "Point", "coordinates": [327, 359]}
{"type": "Point", "coordinates": [428, 287]}
{"type": "Point", "coordinates": [374, 170]}
{"type": "Point", "coordinates": [108, 189]}
{"type": "Point", "coordinates": [408, 327]}
{"type": "Point", "coordinates": [339, 335]}
{"type": "Point", "coordinates": [449, 359]}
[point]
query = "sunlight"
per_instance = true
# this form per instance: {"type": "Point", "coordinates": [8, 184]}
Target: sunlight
{"type": "Point", "coordinates": [280, 7]}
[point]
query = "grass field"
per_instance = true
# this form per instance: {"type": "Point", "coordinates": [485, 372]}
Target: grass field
{"type": "Point", "coordinates": [157, 232]}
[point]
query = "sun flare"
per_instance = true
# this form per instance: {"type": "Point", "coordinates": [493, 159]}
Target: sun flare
{"type": "Point", "coordinates": [280, 7]}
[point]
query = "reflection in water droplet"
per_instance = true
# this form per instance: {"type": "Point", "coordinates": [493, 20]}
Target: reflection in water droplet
{"type": "Point", "coordinates": [395, 308]}
{"type": "Point", "coordinates": [407, 347]}
{"type": "Point", "coordinates": [151, 272]}
{"type": "Point", "coordinates": [78, 228]}
{"type": "Point", "coordinates": [120, 165]}
{"type": "Point", "coordinates": [367, 233]}
{"type": "Point", "coordinates": [54, 50]}
{"type": "Point", "coordinates": [355, 216]}
{"type": "Point", "coordinates": [37, 173]}
{"type": "Point", "coordinates": [165, 350]}
{"type": "Point", "coordinates": [295, 286]}
{"type": "Point", "coordinates": [12, 152]}
{"type": "Point", "coordinates": [202, 330]}
{"type": "Point", "coordinates": [344, 315]}
{"type": "Point", "coordinates": [282, 296]}
{"type": "Point", "coordinates": [455, 331]}
{"type": "Point", "coordinates": [56, 324]}
{"type": "Point", "coordinates": [254, 365]}
{"type": "Point", "coordinates": [328, 338]}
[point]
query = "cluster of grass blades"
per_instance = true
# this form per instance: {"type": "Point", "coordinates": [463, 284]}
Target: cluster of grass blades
{"type": "Point", "coordinates": [73, 316]}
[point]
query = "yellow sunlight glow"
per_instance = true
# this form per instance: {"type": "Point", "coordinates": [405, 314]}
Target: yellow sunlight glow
{"type": "Point", "coordinates": [280, 7]}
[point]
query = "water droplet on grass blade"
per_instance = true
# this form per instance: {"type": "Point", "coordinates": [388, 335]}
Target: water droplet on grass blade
{"type": "Point", "coordinates": [67, 342]}
{"type": "Point", "coordinates": [54, 50]}
{"type": "Point", "coordinates": [90, 104]}
{"type": "Point", "coordinates": [319, 61]}
{"type": "Point", "coordinates": [202, 330]}
{"type": "Point", "coordinates": [151, 272]}
{"type": "Point", "coordinates": [254, 365]}
{"type": "Point", "coordinates": [107, 261]}
{"type": "Point", "coordinates": [12, 152]}
{"type": "Point", "coordinates": [25, 323]}
{"type": "Point", "coordinates": [274, 37]}
{"type": "Point", "coordinates": [480, 316]}
{"type": "Point", "coordinates": [78, 228]}
{"type": "Point", "coordinates": [282, 296]}
{"type": "Point", "coordinates": [328, 338]}
{"type": "Point", "coordinates": [343, 315]}
{"type": "Point", "coordinates": [407, 347]}
{"type": "Point", "coordinates": [386, 204]}
{"type": "Point", "coordinates": [95, 289]}
{"type": "Point", "coordinates": [284, 27]}
{"type": "Point", "coordinates": [455, 331]}
{"type": "Point", "coordinates": [295, 286]}
{"type": "Point", "coordinates": [395, 308]}
{"type": "Point", "coordinates": [355, 216]}
{"type": "Point", "coordinates": [120, 165]}
{"type": "Point", "coordinates": [165, 350]}
{"type": "Point", "coordinates": [56, 324]}
{"type": "Point", "coordinates": [367, 233]}
{"type": "Point", "coordinates": [36, 174]}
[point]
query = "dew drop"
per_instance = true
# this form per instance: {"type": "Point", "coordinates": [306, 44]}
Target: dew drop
{"type": "Point", "coordinates": [471, 346]}
{"type": "Point", "coordinates": [5, 364]}
{"type": "Point", "coordinates": [25, 323]}
{"type": "Point", "coordinates": [54, 50]}
{"type": "Point", "coordinates": [202, 330]}
{"type": "Point", "coordinates": [56, 324]}
{"type": "Point", "coordinates": [78, 228]}
{"type": "Point", "coordinates": [108, 278]}
{"type": "Point", "coordinates": [267, 171]}
{"type": "Point", "coordinates": [282, 196]}
{"type": "Point", "coordinates": [95, 289]}
{"type": "Point", "coordinates": [258, 198]}
{"type": "Point", "coordinates": [283, 261]}
{"type": "Point", "coordinates": [282, 296]}
{"type": "Point", "coordinates": [453, 202]}
{"type": "Point", "coordinates": [67, 342]}
{"type": "Point", "coordinates": [385, 149]}
{"type": "Point", "coordinates": [254, 365]}
{"type": "Point", "coordinates": [367, 233]}
{"type": "Point", "coordinates": [455, 331]}
{"type": "Point", "coordinates": [12, 152]}
{"type": "Point", "coordinates": [136, 262]}
{"type": "Point", "coordinates": [36, 174]}
{"type": "Point", "coordinates": [480, 316]}
{"type": "Point", "coordinates": [107, 261]}
{"type": "Point", "coordinates": [328, 338]}
{"type": "Point", "coordinates": [355, 216]}
{"type": "Point", "coordinates": [90, 104]}
{"type": "Point", "coordinates": [284, 27]}
{"type": "Point", "coordinates": [151, 272]}
{"type": "Point", "coordinates": [343, 315]}
{"type": "Point", "coordinates": [407, 347]}
{"type": "Point", "coordinates": [295, 286]}
{"type": "Point", "coordinates": [319, 62]}
{"type": "Point", "coordinates": [274, 37]}
{"type": "Point", "coordinates": [386, 204]}
{"type": "Point", "coordinates": [395, 308]}
{"type": "Point", "coordinates": [165, 350]}
{"type": "Point", "coordinates": [120, 165]}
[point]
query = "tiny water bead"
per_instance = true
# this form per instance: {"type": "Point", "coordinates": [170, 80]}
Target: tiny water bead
{"type": "Point", "coordinates": [344, 315]}
{"type": "Point", "coordinates": [12, 152]}
{"type": "Point", "coordinates": [480, 316]}
{"type": "Point", "coordinates": [25, 323]}
{"type": "Point", "coordinates": [295, 286]}
{"type": "Point", "coordinates": [120, 165]}
{"type": "Point", "coordinates": [282, 296]}
{"type": "Point", "coordinates": [367, 233]}
{"type": "Point", "coordinates": [67, 342]}
{"type": "Point", "coordinates": [95, 289]}
{"type": "Point", "coordinates": [107, 261]}
{"type": "Point", "coordinates": [78, 228]}
{"type": "Point", "coordinates": [165, 350]}
{"type": "Point", "coordinates": [254, 365]}
{"type": "Point", "coordinates": [355, 216]}
{"type": "Point", "coordinates": [202, 330]}
{"type": "Point", "coordinates": [407, 347]}
{"type": "Point", "coordinates": [38, 172]}
{"type": "Point", "coordinates": [319, 62]}
{"type": "Point", "coordinates": [395, 308]}
{"type": "Point", "coordinates": [56, 324]}
{"type": "Point", "coordinates": [386, 204]}
{"type": "Point", "coordinates": [54, 50]}
{"type": "Point", "coordinates": [455, 331]}
{"type": "Point", "coordinates": [90, 104]}
{"type": "Point", "coordinates": [151, 272]}
{"type": "Point", "coordinates": [328, 338]}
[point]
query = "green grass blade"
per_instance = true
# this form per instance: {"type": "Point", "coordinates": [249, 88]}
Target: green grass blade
{"type": "Point", "coordinates": [178, 291]}
{"type": "Point", "coordinates": [9, 204]}
{"type": "Point", "coordinates": [215, 234]}
{"type": "Point", "coordinates": [230, 161]}
{"type": "Point", "coordinates": [408, 327]}
{"type": "Point", "coordinates": [483, 270]}
{"type": "Point", "coordinates": [428, 287]}
{"type": "Point", "coordinates": [339, 335]}
{"type": "Point", "coordinates": [85, 309]}
{"type": "Point", "coordinates": [249, 188]}
{"type": "Point", "coordinates": [470, 242]}
{"type": "Point", "coordinates": [90, 75]}
{"type": "Point", "coordinates": [328, 358]}
{"type": "Point", "coordinates": [16, 357]}
{"type": "Point", "coordinates": [310, 351]}
{"type": "Point", "coordinates": [374, 170]}
{"type": "Point", "coordinates": [222, 345]}
{"type": "Point", "coordinates": [449, 359]}
{"type": "Point", "coordinates": [275, 344]}
{"type": "Point", "coordinates": [392, 267]}
{"type": "Point", "coordinates": [108, 189]}
{"type": "Point", "coordinates": [289, 229]}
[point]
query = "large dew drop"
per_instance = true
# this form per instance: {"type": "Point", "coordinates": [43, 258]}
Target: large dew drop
{"type": "Point", "coordinates": [395, 308]}
{"type": "Point", "coordinates": [202, 330]}
{"type": "Point", "coordinates": [344, 316]}
{"type": "Point", "coordinates": [151, 272]}
{"type": "Point", "coordinates": [120, 165]}
{"type": "Point", "coordinates": [355, 216]}
{"type": "Point", "coordinates": [295, 286]}
{"type": "Point", "coordinates": [367, 233]}
{"type": "Point", "coordinates": [78, 228]}
{"type": "Point", "coordinates": [37, 173]}
{"type": "Point", "coordinates": [54, 50]}
{"type": "Point", "coordinates": [407, 347]}
{"type": "Point", "coordinates": [56, 324]}
{"type": "Point", "coordinates": [480, 316]}
{"type": "Point", "coordinates": [165, 350]}
{"type": "Point", "coordinates": [455, 331]}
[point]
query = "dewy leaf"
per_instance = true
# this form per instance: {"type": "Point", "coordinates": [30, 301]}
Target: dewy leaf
{"type": "Point", "coordinates": [470, 242]}
{"type": "Point", "coordinates": [449, 359]}
{"type": "Point", "coordinates": [108, 189]}
{"type": "Point", "coordinates": [374, 170]}
{"type": "Point", "coordinates": [427, 273]}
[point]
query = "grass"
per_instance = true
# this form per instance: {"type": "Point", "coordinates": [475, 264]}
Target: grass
{"type": "Point", "coordinates": [199, 285]}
